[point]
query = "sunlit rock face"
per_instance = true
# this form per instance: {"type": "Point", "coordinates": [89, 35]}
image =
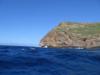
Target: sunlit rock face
{"type": "Point", "coordinates": [73, 35]}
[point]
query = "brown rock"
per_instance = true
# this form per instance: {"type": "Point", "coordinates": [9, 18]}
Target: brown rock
{"type": "Point", "coordinates": [73, 35]}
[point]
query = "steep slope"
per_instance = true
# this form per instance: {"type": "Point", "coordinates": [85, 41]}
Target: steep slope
{"type": "Point", "coordinates": [83, 35]}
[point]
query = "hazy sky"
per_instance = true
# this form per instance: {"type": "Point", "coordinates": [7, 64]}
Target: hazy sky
{"type": "Point", "coordinates": [27, 21]}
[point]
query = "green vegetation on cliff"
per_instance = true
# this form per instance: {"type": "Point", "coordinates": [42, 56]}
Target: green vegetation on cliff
{"type": "Point", "coordinates": [68, 34]}
{"type": "Point", "coordinates": [86, 30]}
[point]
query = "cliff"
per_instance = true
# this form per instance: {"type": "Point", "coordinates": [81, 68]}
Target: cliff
{"type": "Point", "coordinates": [81, 35]}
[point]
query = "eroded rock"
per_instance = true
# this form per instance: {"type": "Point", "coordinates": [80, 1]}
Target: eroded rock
{"type": "Point", "coordinates": [73, 35]}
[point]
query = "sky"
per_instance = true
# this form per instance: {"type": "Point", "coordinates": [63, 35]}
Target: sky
{"type": "Point", "coordinates": [26, 22]}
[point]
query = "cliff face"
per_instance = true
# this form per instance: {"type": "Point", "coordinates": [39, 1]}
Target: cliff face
{"type": "Point", "coordinates": [73, 35]}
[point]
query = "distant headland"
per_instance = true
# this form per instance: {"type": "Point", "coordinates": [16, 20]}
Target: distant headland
{"type": "Point", "coordinates": [73, 35]}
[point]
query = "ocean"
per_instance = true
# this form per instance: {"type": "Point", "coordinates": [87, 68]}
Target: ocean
{"type": "Point", "coordinates": [17, 60]}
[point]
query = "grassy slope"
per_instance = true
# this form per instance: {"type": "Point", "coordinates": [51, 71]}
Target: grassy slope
{"type": "Point", "coordinates": [85, 30]}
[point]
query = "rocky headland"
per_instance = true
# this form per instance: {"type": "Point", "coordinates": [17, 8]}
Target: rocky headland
{"type": "Point", "coordinates": [73, 35]}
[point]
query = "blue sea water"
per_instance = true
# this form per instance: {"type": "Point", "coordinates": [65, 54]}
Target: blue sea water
{"type": "Point", "coordinates": [15, 60]}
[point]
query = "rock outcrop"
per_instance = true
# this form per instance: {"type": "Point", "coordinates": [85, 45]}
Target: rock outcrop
{"type": "Point", "coordinates": [73, 35]}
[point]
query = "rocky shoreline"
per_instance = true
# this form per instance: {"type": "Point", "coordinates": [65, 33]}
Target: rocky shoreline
{"type": "Point", "coordinates": [73, 35]}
